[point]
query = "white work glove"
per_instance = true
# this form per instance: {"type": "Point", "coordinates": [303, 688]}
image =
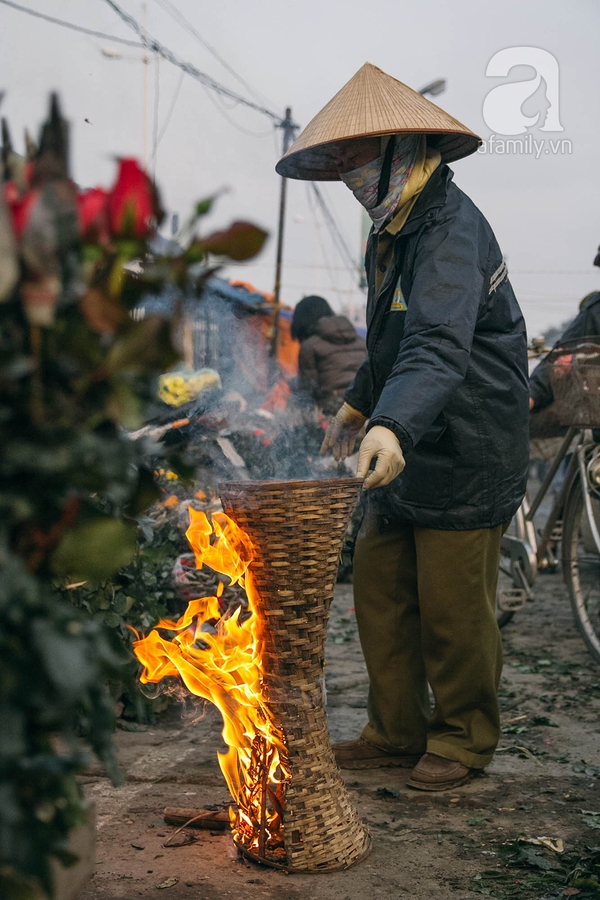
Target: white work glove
{"type": "Point", "coordinates": [343, 432]}
{"type": "Point", "coordinates": [382, 443]}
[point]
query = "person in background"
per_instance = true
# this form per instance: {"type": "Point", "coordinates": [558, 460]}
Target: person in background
{"type": "Point", "coordinates": [585, 324]}
{"type": "Point", "coordinates": [445, 384]}
{"type": "Point", "coordinates": [331, 352]}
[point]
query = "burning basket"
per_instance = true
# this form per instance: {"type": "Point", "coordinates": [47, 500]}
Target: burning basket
{"type": "Point", "coordinates": [575, 378]}
{"type": "Point", "coordinates": [262, 666]}
{"type": "Point", "coordinates": [297, 529]}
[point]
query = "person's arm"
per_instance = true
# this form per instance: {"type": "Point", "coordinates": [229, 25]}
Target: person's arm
{"type": "Point", "coordinates": [540, 391]}
{"type": "Point", "coordinates": [350, 419]}
{"type": "Point", "coordinates": [359, 394]}
{"type": "Point", "coordinates": [308, 373]}
{"type": "Point", "coordinates": [585, 324]}
{"type": "Point", "coordinates": [434, 354]}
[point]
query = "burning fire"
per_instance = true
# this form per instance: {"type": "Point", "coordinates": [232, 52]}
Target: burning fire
{"type": "Point", "coordinates": [218, 657]}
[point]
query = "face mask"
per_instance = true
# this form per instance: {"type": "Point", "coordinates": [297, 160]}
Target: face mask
{"type": "Point", "coordinates": [364, 181]}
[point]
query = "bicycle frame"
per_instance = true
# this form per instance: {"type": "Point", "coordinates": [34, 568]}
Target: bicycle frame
{"type": "Point", "coordinates": [559, 502]}
{"type": "Point", "coordinates": [527, 553]}
{"type": "Point", "coordinates": [573, 522]}
{"type": "Point", "coordinates": [521, 549]}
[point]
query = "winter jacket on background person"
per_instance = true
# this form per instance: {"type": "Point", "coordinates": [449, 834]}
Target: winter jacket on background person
{"type": "Point", "coordinates": [447, 366]}
{"type": "Point", "coordinates": [330, 358]}
{"type": "Point", "coordinates": [331, 352]}
{"type": "Point", "coordinates": [585, 324]}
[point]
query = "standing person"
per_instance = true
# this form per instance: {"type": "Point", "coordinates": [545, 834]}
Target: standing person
{"type": "Point", "coordinates": [445, 383]}
{"type": "Point", "coordinates": [331, 352]}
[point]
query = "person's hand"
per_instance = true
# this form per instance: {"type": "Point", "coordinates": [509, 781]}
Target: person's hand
{"type": "Point", "coordinates": [382, 443]}
{"type": "Point", "coordinates": [342, 433]}
{"type": "Point", "coordinates": [531, 403]}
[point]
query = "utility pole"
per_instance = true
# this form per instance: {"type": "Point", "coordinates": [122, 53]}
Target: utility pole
{"type": "Point", "coordinates": [145, 92]}
{"type": "Point", "coordinates": [289, 129]}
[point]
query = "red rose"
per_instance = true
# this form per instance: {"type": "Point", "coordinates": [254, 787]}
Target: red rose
{"type": "Point", "coordinates": [93, 215]}
{"type": "Point", "coordinates": [132, 203]}
{"type": "Point", "coordinates": [11, 193]}
{"type": "Point", "coordinates": [20, 206]}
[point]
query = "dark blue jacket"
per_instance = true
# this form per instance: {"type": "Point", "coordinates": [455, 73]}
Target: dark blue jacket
{"type": "Point", "coordinates": [447, 368]}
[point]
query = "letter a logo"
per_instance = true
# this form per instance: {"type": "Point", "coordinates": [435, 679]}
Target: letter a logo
{"type": "Point", "coordinates": [502, 108]}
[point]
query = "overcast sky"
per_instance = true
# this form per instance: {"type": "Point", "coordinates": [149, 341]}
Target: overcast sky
{"type": "Point", "coordinates": [545, 211]}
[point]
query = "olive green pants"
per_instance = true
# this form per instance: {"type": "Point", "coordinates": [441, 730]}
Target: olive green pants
{"type": "Point", "coordinates": [425, 604]}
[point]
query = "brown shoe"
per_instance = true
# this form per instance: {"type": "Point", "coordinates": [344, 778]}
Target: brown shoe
{"type": "Point", "coordinates": [434, 773]}
{"type": "Point", "coordinates": [360, 754]}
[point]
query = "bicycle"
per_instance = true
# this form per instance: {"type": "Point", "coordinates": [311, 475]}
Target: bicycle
{"type": "Point", "coordinates": [574, 518]}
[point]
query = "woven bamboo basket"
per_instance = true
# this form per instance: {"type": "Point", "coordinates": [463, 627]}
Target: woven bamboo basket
{"type": "Point", "coordinates": [297, 528]}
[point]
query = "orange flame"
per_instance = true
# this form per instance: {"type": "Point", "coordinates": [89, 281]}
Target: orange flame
{"type": "Point", "coordinates": [217, 656]}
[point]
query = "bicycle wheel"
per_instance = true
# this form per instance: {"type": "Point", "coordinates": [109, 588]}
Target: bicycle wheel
{"type": "Point", "coordinates": [581, 566]}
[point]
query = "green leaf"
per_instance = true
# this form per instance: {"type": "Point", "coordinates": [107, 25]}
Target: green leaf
{"type": "Point", "coordinates": [534, 859]}
{"type": "Point", "coordinates": [91, 253]}
{"type": "Point", "coordinates": [204, 206]}
{"type": "Point", "coordinates": [16, 886]}
{"type": "Point", "coordinates": [125, 405]}
{"type": "Point", "coordinates": [240, 241]}
{"type": "Point", "coordinates": [387, 792]}
{"type": "Point", "coordinates": [66, 858]}
{"type": "Point", "coordinates": [120, 604]}
{"type": "Point", "coordinates": [12, 734]}
{"type": "Point", "coordinates": [103, 313]}
{"type": "Point", "coordinates": [95, 549]}
{"type": "Point", "coordinates": [66, 660]}
{"type": "Point", "coordinates": [144, 347]}
{"type": "Point", "coordinates": [130, 248]}
{"type": "Point", "coordinates": [147, 493]}
{"type": "Point", "coordinates": [184, 470]}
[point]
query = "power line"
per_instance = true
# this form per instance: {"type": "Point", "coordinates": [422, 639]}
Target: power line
{"type": "Point", "coordinates": [152, 44]}
{"type": "Point", "coordinates": [350, 270]}
{"type": "Point", "coordinates": [551, 272]}
{"type": "Point", "coordinates": [220, 107]}
{"type": "Point", "coordinates": [64, 24]}
{"type": "Point", "coordinates": [185, 23]}
{"type": "Point", "coordinates": [165, 124]}
{"type": "Point", "coordinates": [338, 237]}
{"type": "Point", "coordinates": [156, 109]}
{"type": "Point", "coordinates": [321, 243]}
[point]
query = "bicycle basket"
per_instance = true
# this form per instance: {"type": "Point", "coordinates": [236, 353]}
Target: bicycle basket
{"type": "Point", "coordinates": [574, 369]}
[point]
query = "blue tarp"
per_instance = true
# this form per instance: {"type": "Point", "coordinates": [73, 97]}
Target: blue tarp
{"type": "Point", "coordinates": [216, 289]}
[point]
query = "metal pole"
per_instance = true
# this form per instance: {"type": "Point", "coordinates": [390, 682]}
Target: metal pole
{"type": "Point", "coordinates": [288, 135]}
{"type": "Point", "coordinates": [144, 93]}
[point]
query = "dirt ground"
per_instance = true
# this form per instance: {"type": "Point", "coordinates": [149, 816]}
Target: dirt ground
{"type": "Point", "coordinates": [543, 783]}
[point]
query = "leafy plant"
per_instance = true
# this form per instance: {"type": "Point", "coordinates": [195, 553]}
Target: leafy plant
{"type": "Point", "coordinates": [138, 596]}
{"type": "Point", "coordinates": [534, 871]}
{"type": "Point", "coordinates": [76, 371]}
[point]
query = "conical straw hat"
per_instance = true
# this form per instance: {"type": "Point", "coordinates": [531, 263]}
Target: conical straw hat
{"type": "Point", "coordinates": [370, 104]}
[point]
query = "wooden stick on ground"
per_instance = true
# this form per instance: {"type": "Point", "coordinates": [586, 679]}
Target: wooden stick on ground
{"type": "Point", "coordinates": [262, 835]}
{"type": "Point", "coordinates": [209, 820]}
